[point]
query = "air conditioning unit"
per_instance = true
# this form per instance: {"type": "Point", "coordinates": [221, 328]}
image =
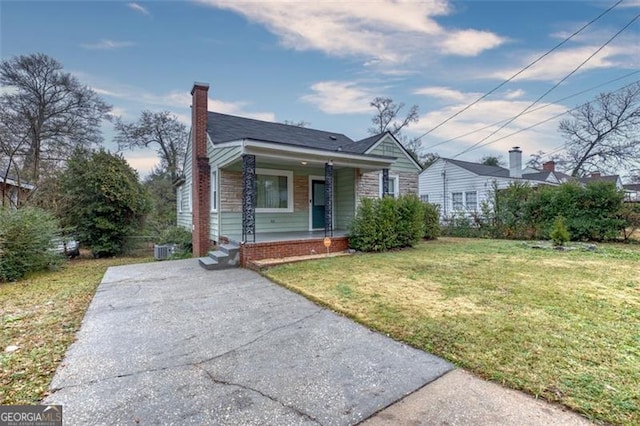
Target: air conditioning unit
{"type": "Point", "coordinates": [163, 251]}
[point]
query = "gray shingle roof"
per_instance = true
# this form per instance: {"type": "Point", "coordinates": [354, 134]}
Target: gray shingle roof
{"type": "Point", "coordinates": [225, 128]}
{"type": "Point", "coordinates": [495, 171]}
{"type": "Point", "coordinates": [480, 169]}
{"type": "Point", "coordinates": [591, 179]}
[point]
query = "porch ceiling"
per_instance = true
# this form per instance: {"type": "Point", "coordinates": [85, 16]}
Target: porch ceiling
{"type": "Point", "coordinates": [291, 155]}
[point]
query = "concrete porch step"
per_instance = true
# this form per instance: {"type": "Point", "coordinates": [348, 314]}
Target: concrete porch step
{"type": "Point", "coordinates": [226, 256]}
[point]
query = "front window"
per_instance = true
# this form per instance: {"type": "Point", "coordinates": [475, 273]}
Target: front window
{"type": "Point", "coordinates": [274, 191]}
{"type": "Point", "coordinates": [456, 200]}
{"type": "Point", "coordinates": [471, 200]}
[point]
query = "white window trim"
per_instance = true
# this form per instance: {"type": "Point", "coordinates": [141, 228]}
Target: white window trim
{"type": "Point", "coordinates": [214, 200]}
{"type": "Point", "coordinates": [393, 176]}
{"type": "Point", "coordinates": [453, 203]}
{"type": "Point", "coordinates": [466, 204]}
{"type": "Point", "coordinates": [289, 175]}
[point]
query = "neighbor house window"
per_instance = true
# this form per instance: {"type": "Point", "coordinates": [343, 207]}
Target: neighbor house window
{"type": "Point", "coordinates": [424, 198]}
{"type": "Point", "coordinates": [394, 185]}
{"type": "Point", "coordinates": [456, 200]}
{"type": "Point", "coordinates": [214, 190]}
{"type": "Point", "coordinates": [274, 190]}
{"type": "Point", "coordinates": [471, 200]}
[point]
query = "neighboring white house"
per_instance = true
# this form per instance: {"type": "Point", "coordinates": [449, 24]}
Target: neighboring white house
{"type": "Point", "coordinates": [461, 186]}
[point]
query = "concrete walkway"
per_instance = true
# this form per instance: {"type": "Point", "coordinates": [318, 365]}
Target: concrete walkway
{"type": "Point", "coordinates": [171, 343]}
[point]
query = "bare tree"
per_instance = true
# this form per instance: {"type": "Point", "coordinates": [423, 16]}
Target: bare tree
{"type": "Point", "coordinates": [160, 130]}
{"type": "Point", "coordinates": [387, 116]}
{"type": "Point", "coordinates": [602, 135]}
{"type": "Point", "coordinates": [46, 112]}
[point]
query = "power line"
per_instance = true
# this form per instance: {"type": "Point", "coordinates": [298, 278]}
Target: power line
{"type": "Point", "coordinates": [547, 120]}
{"type": "Point", "coordinates": [533, 110]}
{"type": "Point", "coordinates": [521, 71]}
{"type": "Point", "coordinates": [477, 144]}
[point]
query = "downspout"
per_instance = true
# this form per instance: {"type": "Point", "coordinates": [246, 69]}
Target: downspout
{"type": "Point", "coordinates": [444, 189]}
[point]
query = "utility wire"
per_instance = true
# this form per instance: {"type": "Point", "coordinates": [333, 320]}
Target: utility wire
{"type": "Point", "coordinates": [478, 144]}
{"type": "Point", "coordinates": [521, 71]}
{"type": "Point", "coordinates": [533, 110]}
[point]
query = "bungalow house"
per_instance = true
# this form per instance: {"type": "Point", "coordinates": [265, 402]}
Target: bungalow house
{"type": "Point", "coordinates": [255, 189]}
{"type": "Point", "coordinates": [460, 187]}
{"type": "Point", "coordinates": [13, 191]}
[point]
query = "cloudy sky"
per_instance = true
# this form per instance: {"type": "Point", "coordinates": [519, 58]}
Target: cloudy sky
{"type": "Point", "coordinates": [322, 62]}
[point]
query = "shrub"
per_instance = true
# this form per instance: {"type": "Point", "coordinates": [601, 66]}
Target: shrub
{"type": "Point", "coordinates": [103, 200]}
{"type": "Point", "coordinates": [179, 236]}
{"type": "Point", "coordinates": [26, 242]}
{"type": "Point", "coordinates": [410, 223]}
{"type": "Point", "coordinates": [431, 221]}
{"type": "Point", "coordinates": [559, 234]}
{"type": "Point", "coordinates": [461, 225]}
{"type": "Point", "coordinates": [387, 223]}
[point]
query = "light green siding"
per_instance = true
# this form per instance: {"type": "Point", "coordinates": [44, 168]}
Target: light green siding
{"type": "Point", "coordinates": [213, 226]}
{"type": "Point", "coordinates": [389, 148]}
{"type": "Point", "coordinates": [344, 190]}
{"type": "Point", "coordinates": [183, 195]}
{"type": "Point", "coordinates": [222, 155]}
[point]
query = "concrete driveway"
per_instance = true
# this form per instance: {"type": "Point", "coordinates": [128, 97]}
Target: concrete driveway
{"type": "Point", "coordinates": [171, 343]}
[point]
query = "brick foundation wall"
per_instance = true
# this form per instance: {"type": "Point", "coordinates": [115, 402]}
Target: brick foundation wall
{"type": "Point", "coordinates": [280, 249]}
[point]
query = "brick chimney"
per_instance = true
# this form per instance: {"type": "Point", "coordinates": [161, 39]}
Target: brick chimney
{"type": "Point", "coordinates": [515, 162]}
{"type": "Point", "coordinates": [200, 170]}
{"type": "Point", "coordinates": [549, 166]}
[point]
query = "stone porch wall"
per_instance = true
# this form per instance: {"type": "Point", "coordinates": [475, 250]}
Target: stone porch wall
{"type": "Point", "coordinates": [230, 191]}
{"type": "Point", "coordinates": [368, 184]}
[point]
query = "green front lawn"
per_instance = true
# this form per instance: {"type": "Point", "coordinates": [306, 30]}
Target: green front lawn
{"type": "Point", "coordinates": [40, 315]}
{"type": "Point", "coordinates": [564, 326]}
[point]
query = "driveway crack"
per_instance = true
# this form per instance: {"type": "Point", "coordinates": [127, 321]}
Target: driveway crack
{"type": "Point", "coordinates": [259, 392]}
{"type": "Point", "coordinates": [244, 345]}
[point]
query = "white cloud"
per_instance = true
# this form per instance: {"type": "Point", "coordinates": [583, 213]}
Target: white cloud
{"type": "Point", "coordinates": [446, 93]}
{"type": "Point", "coordinates": [340, 97]}
{"type": "Point", "coordinates": [470, 42]}
{"type": "Point", "coordinates": [379, 31]}
{"type": "Point", "coordinates": [561, 62]}
{"type": "Point", "coordinates": [139, 8]}
{"type": "Point", "coordinates": [513, 94]}
{"type": "Point", "coordinates": [466, 128]}
{"type": "Point", "coordinates": [107, 45]}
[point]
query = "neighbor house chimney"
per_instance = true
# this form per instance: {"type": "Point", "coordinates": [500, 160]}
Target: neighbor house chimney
{"type": "Point", "coordinates": [515, 162]}
{"type": "Point", "coordinates": [596, 174]}
{"type": "Point", "coordinates": [549, 166]}
{"type": "Point", "coordinates": [200, 170]}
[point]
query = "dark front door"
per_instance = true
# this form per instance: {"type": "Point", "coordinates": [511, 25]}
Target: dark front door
{"type": "Point", "coordinates": [317, 204]}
